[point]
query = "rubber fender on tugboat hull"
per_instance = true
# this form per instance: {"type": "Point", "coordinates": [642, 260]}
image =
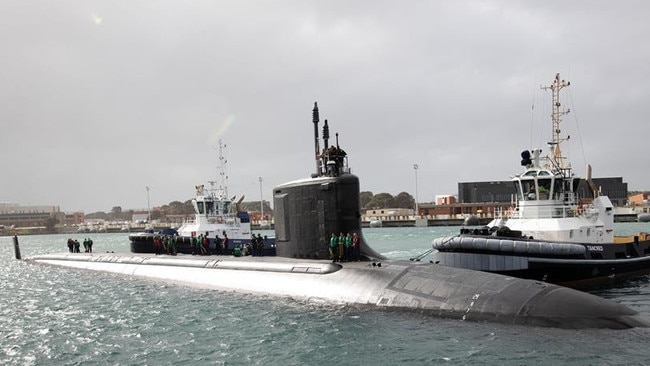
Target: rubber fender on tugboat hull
{"type": "Point", "coordinates": [469, 242]}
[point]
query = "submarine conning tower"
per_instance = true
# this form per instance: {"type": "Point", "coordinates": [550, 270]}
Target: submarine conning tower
{"type": "Point", "coordinates": [308, 211]}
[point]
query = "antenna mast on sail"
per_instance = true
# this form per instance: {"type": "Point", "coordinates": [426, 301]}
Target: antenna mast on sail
{"type": "Point", "coordinates": [556, 116]}
{"type": "Point", "coordinates": [315, 118]}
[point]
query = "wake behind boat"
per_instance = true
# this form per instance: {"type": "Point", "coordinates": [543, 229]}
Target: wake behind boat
{"type": "Point", "coordinates": [550, 233]}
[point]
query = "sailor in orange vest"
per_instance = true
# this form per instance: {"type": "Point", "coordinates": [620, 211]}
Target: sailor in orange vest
{"type": "Point", "coordinates": [355, 247]}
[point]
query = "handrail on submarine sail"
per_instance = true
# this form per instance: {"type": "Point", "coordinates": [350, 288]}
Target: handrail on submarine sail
{"type": "Point", "coordinates": [419, 257]}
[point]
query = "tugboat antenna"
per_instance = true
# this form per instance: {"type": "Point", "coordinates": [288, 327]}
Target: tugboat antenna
{"type": "Point", "coordinates": [223, 175]}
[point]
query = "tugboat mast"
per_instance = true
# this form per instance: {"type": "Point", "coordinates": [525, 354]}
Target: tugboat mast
{"type": "Point", "coordinates": [556, 116]}
{"type": "Point", "coordinates": [222, 190]}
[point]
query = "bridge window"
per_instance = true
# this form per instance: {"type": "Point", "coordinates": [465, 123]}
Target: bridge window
{"type": "Point", "coordinates": [530, 192]}
{"type": "Point", "coordinates": [557, 189]}
{"type": "Point", "coordinates": [544, 188]}
{"type": "Point", "coordinates": [209, 207]}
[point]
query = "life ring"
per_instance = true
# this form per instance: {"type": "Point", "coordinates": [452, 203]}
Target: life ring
{"type": "Point", "coordinates": [580, 210]}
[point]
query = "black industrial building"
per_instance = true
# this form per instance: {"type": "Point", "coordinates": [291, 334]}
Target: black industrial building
{"type": "Point", "coordinates": [503, 191]}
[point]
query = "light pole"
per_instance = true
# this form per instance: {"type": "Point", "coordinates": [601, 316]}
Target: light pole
{"type": "Point", "coordinates": [261, 202]}
{"type": "Point", "coordinates": [417, 211]}
{"type": "Point", "coordinates": [148, 206]}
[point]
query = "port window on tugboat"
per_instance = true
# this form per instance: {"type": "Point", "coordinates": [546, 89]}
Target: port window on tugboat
{"type": "Point", "coordinates": [544, 188]}
{"type": "Point", "coordinates": [557, 189]}
{"type": "Point", "coordinates": [530, 193]}
{"type": "Point", "coordinates": [209, 207]}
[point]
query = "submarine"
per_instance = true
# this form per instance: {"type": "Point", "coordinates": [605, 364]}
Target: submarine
{"type": "Point", "coordinates": [307, 212]}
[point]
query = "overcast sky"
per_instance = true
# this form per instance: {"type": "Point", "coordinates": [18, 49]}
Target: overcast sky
{"type": "Point", "coordinates": [100, 99]}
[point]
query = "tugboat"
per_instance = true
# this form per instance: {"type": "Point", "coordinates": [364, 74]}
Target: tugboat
{"type": "Point", "coordinates": [550, 233]}
{"type": "Point", "coordinates": [215, 217]}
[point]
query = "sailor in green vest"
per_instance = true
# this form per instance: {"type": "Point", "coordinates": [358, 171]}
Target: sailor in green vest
{"type": "Point", "coordinates": [334, 243]}
{"type": "Point", "coordinates": [172, 244]}
{"type": "Point", "coordinates": [166, 244]}
{"type": "Point", "coordinates": [193, 245]}
{"type": "Point", "coordinates": [348, 247]}
{"type": "Point", "coordinates": [199, 242]}
{"type": "Point", "coordinates": [341, 241]}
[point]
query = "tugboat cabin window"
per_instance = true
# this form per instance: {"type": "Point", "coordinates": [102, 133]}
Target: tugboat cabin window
{"type": "Point", "coordinates": [557, 189]}
{"type": "Point", "coordinates": [529, 190]}
{"type": "Point", "coordinates": [200, 208]}
{"type": "Point", "coordinates": [544, 187]}
{"type": "Point", "coordinates": [209, 207]}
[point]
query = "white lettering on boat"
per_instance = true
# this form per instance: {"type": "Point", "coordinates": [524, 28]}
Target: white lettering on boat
{"type": "Point", "coordinates": [595, 248]}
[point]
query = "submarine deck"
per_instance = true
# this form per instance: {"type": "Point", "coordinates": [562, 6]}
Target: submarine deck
{"type": "Point", "coordinates": [420, 287]}
{"type": "Point", "coordinates": [248, 263]}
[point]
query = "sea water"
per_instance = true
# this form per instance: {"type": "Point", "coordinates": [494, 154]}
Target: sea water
{"type": "Point", "coordinates": [61, 316]}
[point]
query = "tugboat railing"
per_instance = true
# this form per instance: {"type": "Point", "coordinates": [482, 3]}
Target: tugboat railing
{"type": "Point", "coordinates": [543, 211]}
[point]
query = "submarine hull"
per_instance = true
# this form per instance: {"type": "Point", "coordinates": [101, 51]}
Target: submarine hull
{"type": "Point", "coordinates": [389, 285]}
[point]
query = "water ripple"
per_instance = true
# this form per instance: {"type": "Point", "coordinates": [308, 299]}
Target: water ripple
{"type": "Point", "coordinates": [60, 316]}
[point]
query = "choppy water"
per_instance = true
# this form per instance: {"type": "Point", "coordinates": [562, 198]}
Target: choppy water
{"type": "Point", "coordinates": [69, 317]}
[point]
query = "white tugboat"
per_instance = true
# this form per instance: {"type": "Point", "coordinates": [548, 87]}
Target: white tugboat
{"type": "Point", "coordinates": [216, 217]}
{"type": "Point", "coordinates": [550, 233]}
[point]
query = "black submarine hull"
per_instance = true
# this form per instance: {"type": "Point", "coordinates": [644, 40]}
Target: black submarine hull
{"type": "Point", "coordinates": [388, 285]}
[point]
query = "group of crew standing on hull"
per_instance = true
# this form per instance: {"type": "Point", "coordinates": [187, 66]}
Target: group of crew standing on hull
{"type": "Point", "coordinates": [202, 245]}
{"type": "Point", "coordinates": [165, 244]}
{"type": "Point", "coordinates": [75, 247]}
{"type": "Point", "coordinates": [169, 244]}
{"type": "Point", "coordinates": [344, 247]}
